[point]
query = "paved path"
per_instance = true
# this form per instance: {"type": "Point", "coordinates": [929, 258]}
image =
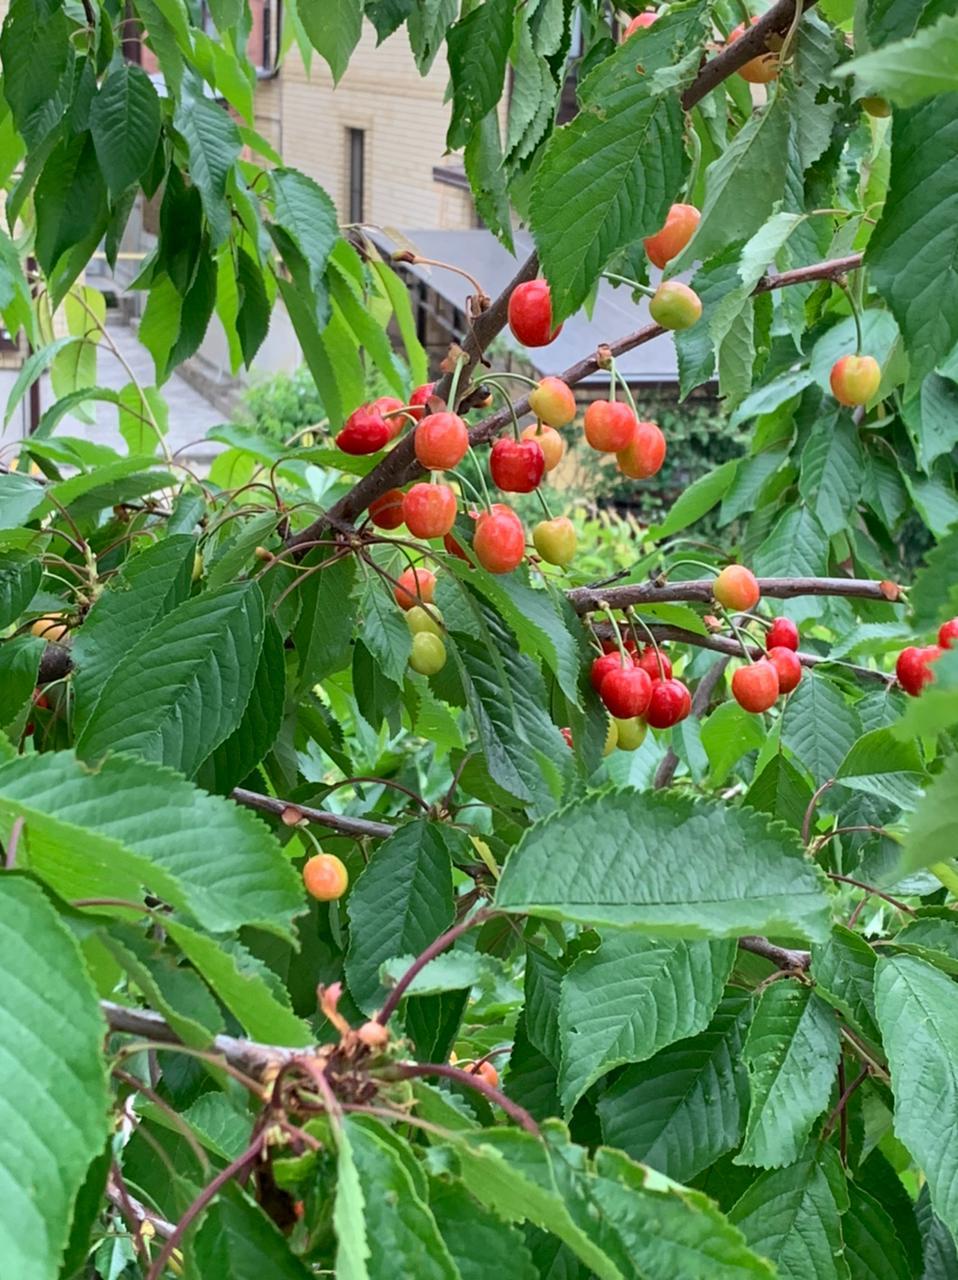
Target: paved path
{"type": "Point", "coordinates": [190, 415]}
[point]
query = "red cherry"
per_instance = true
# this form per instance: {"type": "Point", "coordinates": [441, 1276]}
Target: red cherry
{"type": "Point", "coordinates": [487, 1072]}
{"type": "Point", "coordinates": [640, 20]}
{"type": "Point", "coordinates": [782, 634]}
{"type": "Point", "coordinates": [759, 70]}
{"type": "Point", "coordinates": [737, 588]}
{"type": "Point", "coordinates": [855, 379]}
{"type": "Point", "coordinates": [602, 666]}
{"type": "Point", "coordinates": [429, 510]}
{"type": "Point", "coordinates": [415, 586]}
{"type": "Point", "coordinates": [628, 644]}
{"type": "Point", "coordinates": [499, 541]}
{"type": "Point", "coordinates": [626, 691]}
{"type": "Point", "coordinates": [552, 402]}
{"type": "Point", "coordinates": [649, 662]}
{"type": "Point", "coordinates": [609, 425]}
{"type": "Point", "coordinates": [644, 454]}
{"type": "Point", "coordinates": [567, 734]}
{"type": "Point", "coordinates": [755, 687]}
{"type": "Point", "coordinates": [948, 633]}
{"type": "Point", "coordinates": [364, 431]}
{"type": "Point", "coordinates": [680, 224]}
{"type": "Point", "coordinates": [454, 546]}
{"type": "Point", "coordinates": [786, 663]}
{"type": "Point", "coordinates": [670, 702]}
{"type": "Point", "coordinates": [530, 314]}
{"type": "Point", "coordinates": [386, 510]}
{"type": "Point", "coordinates": [441, 441]}
{"type": "Point", "coordinates": [418, 400]}
{"type": "Point", "coordinates": [913, 667]}
{"type": "Point", "coordinates": [517, 466]}
{"type": "Point", "coordinates": [387, 406]}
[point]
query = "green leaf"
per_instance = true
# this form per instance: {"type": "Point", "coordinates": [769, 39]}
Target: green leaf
{"type": "Point", "coordinates": [125, 124]}
{"type": "Point", "coordinates": [19, 578]}
{"type": "Point", "coordinates": [38, 55]}
{"type": "Point", "coordinates": [872, 1248]}
{"type": "Point", "coordinates": [252, 317]}
{"type": "Point", "coordinates": [933, 939]}
{"type": "Point", "coordinates": [918, 1015]}
{"type": "Point", "coordinates": [479, 1241]}
{"type": "Point", "coordinates": [791, 1052]}
{"type": "Point", "coordinates": [932, 834]}
{"type": "Point", "coordinates": [880, 765]}
{"type": "Point", "coordinates": [384, 631]}
{"type": "Point", "coordinates": [324, 629]}
{"type": "Point", "coordinates": [70, 203]}
{"type": "Point", "coordinates": [160, 324]}
{"type": "Point", "coordinates": [607, 178]}
{"type": "Point", "coordinates": [54, 1104]}
{"type": "Point", "coordinates": [831, 475]}
{"type": "Point", "coordinates": [793, 1216]}
{"type": "Point", "coordinates": [630, 998]}
{"type": "Point", "coordinates": [728, 734]}
{"type": "Point", "coordinates": [212, 143]}
{"type": "Point", "coordinates": [819, 726]}
{"type": "Point", "coordinates": [934, 595]}
{"type": "Point", "coordinates": [908, 71]}
{"type": "Point", "coordinates": [684, 1108]}
{"type": "Point", "coordinates": [147, 587]}
{"type": "Point", "coordinates": [694, 349]}
{"type": "Point", "coordinates": [111, 833]}
{"type": "Point", "coordinates": [698, 499]}
{"type": "Point", "coordinates": [305, 213]}
{"type": "Point", "coordinates": [333, 28]}
{"type": "Point", "coordinates": [844, 972]}
{"type": "Point", "coordinates": [543, 984]}
{"type": "Point", "coordinates": [781, 791]}
{"type": "Point", "coordinates": [477, 48]}
{"type": "Point", "coordinates": [932, 419]}
{"type": "Point", "coordinates": [938, 1244]}
{"type": "Point", "coordinates": [796, 548]}
{"type": "Point", "coordinates": [352, 1251]}
{"type": "Point", "coordinates": [234, 975]}
{"type": "Point", "coordinates": [482, 159]}
{"type": "Point", "coordinates": [19, 664]}
{"type": "Point", "coordinates": [401, 1234]}
{"type": "Point", "coordinates": [34, 365]}
{"type": "Point", "coordinates": [912, 255]}
{"type": "Point", "coordinates": [400, 903]}
{"type": "Point", "coordinates": [182, 689]}
{"type": "Point", "coordinates": [237, 1239]}
{"type": "Point", "coordinates": [634, 861]}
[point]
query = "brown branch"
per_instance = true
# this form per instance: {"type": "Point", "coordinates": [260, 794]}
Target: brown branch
{"type": "Point", "coordinates": [700, 701]}
{"type": "Point", "coordinates": [586, 599]}
{"type": "Point", "coordinates": [870, 889]}
{"type": "Point", "coordinates": [785, 958]}
{"type": "Point", "coordinates": [135, 1209]}
{"type": "Point", "coordinates": [434, 949]}
{"type": "Point", "coordinates": [358, 827]}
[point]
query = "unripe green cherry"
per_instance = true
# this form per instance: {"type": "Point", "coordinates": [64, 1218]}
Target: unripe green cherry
{"type": "Point", "coordinates": [555, 540]}
{"type": "Point", "coordinates": [420, 620]}
{"type": "Point", "coordinates": [428, 654]}
{"type": "Point", "coordinates": [631, 733]}
{"type": "Point", "coordinates": [675, 306]}
{"type": "Point", "coordinates": [611, 737]}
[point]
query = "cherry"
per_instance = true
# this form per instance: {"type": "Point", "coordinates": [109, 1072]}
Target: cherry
{"type": "Point", "coordinates": [418, 400]}
{"type": "Point", "coordinates": [387, 406]}
{"type": "Point", "coordinates": [415, 586]}
{"type": "Point", "coordinates": [679, 228]}
{"type": "Point", "coordinates": [552, 401]}
{"type": "Point", "coordinates": [419, 619]}
{"type": "Point", "coordinates": [640, 20]}
{"type": "Point", "coordinates": [601, 667]}
{"type": "Point", "coordinates": [786, 663]}
{"type": "Point", "coordinates": [948, 633]}
{"type": "Point", "coordinates": [325, 877]}
{"type": "Point", "coordinates": [499, 541]}
{"type": "Point", "coordinates": [854, 379]}
{"type": "Point", "coordinates": [759, 70]}
{"type": "Point", "coordinates": [51, 628]}
{"type": "Point", "coordinates": [609, 425]}
{"type": "Point", "coordinates": [40, 700]}
{"type": "Point", "coordinates": [878, 108]}
{"type": "Point", "coordinates": [555, 540]}
{"type": "Point", "coordinates": [530, 314]}
{"type": "Point", "coordinates": [364, 431]}
{"type": "Point", "coordinates": [429, 510]}
{"type": "Point", "coordinates": [567, 734]}
{"type": "Point", "coordinates": [628, 644]}
{"type": "Point", "coordinates": [373, 1035]}
{"type": "Point", "coordinates": [675, 306]}
{"type": "Point", "coordinates": [626, 691]}
{"type": "Point", "coordinates": [454, 547]}
{"type": "Point", "coordinates": [649, 662]}
{"type": "Point", "coordinates": [644, 454]}
{"type": "Point", "coordinates": [782, 634]}
{"type": "Point", "coordinates": [670, 702]}
{"type": "Point", "coordinates": [386, 510]}
{"type": "Point", "coordinates": [736, 588]}
{"type": "Point", "coordinates": [549, 441]}
{"type": "Point", "coordinates": [517, 466]}
{"type": "Point", "coordinates": [611, 737]}
{"type": "Point", "coordinates": [441, 441]}
{"type": "Point", "coordinates": [755, 687]}
{"type": "Point", "coordinates": [630, 734]}
{"type": "Point", "coordinates": [913, 668]}
{"type": "Point", "coordinates": [487, 1072]}
{"type": "Point", "coordinates": [428, 653]}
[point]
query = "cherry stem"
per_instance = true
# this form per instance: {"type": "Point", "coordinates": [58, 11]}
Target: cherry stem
{"type": "Point", "coordinates": [482, 479]}
{"type": "Point", "coordinates": [612, 379]}
{"type": "Point", "coordinates": [454, 385]}
{"type": "Point", "coordinates": [542, 500]}
{"type": "Point", "coordinates": [434, 949]}
{"type": "Point", "coordinates": [625, 386]}
{"type": "Point", "coordinates": [640, 288]}
{"type": "Point", "coordinates": [504, 373]}
{"type": "Point", "coordinates": [698, 564]}
{"type": "Point", "coordinates": [633, 619]}
{"type": "Point", "coordinates": [464, 479]}
{"type": "Point", "coordinates": [512, 408]}
{"type": "Point", "coordinates": [616, 632]}
{"type": "Point", "coordinates": [738, 634]}
{"type": "Point", "coordinates": [696, 145]}
{"type": "Point", "coordinates": [415, 260]}
{"type": "Point", "coordinates": [842, 284]}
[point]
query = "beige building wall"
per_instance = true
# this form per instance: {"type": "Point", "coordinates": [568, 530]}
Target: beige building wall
{"type": "Point", "coordinates": [404, 120]}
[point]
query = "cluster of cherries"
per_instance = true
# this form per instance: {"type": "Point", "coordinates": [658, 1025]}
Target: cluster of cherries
{"type": "Point", "coordinates": [913, 667]}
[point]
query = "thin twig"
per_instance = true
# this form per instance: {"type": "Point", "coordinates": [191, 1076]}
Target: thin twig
{"type": "Point", "coordinates": [434, 949]}
{"type": "Point", "coordinates": [870, 888]}
{"type": "Point", "coordinates": [810, 809]}
{"type": "Point", "coordinates": [784, 957]}
{"type": "Point", "coordinates": [412, 1071]}
{"type": "Point", "coordinates": [335, 821]}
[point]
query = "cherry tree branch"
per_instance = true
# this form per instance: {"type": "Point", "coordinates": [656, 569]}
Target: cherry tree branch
{"type": "Point", "coordinates": [775, 21]}
{"type": "Point", "coordinates": [348, 826]}
{"type": "Point", "coordinates": [248, 1056]}
{"type": "Point", "coordinates": [586, 599]}
{"type": "Point", "coordinates": [784, 957]}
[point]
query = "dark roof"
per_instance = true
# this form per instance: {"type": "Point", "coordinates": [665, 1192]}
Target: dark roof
{"type": "Point", "coordinates": [481, 254]}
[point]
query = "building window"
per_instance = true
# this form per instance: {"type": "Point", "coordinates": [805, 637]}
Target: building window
{"type": "Point", "coordinates": [356, 164]}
